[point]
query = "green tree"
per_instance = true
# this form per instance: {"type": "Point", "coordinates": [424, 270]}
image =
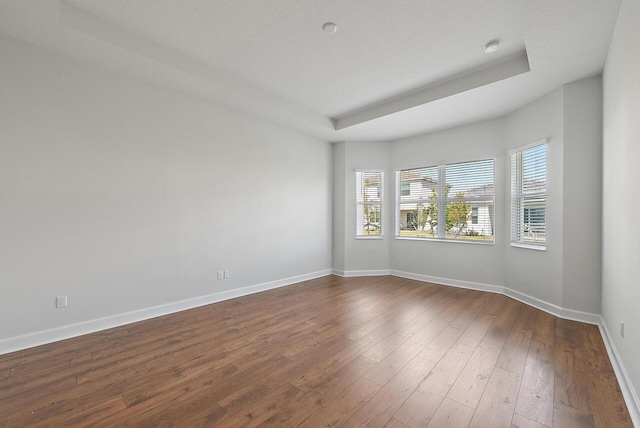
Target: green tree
{"type": "Point", "coordinates": [433, 211]}
{"type": "Point", "coordinates": [457, 215]}
{"type": "Point", "coordinates": [421, 217]}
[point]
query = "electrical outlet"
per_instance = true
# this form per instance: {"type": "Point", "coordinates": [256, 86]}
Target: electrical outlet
{"type": "Point", "coordinates": [61, 302]}
{"type": "Point", "coordinates": [220, 274]}
{"type": "Point", "coordinates": [227, 274]}
{"type": "Point", "coordinates": [622, 328]}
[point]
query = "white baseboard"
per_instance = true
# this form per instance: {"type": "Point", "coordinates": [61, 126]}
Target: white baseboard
{"type": "Point", "coordinates": [626, 386]}
{"type": "Point", "coordinates": [447, 281]}
{"type": "Point", "coordinates": [558, 311]}
{"type": "Point", "coordinates": [42, 337]}
{"type": "Point", "coordinates": [352, 273]}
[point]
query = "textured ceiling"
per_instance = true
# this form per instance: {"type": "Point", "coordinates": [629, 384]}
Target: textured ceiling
{"type": "Point", "coordinates": [270, 57]}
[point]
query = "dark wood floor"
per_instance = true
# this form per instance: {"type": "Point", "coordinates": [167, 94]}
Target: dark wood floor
{"type": "Point", "coordinates": [381, 351]}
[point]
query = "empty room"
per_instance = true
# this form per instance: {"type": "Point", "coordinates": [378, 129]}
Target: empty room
{"type": "Point", "coordinates": [319, 213]}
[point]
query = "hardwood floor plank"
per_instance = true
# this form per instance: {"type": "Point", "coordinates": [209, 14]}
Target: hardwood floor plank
{"type": "Point", "coordinates": [498, 401]}
{"type": "Point", "coordinates": [520, 421]}
{"type": "Point", "coordinates": [386, 369]}
{"type": "Point", "coordinates": [385, 347]}
{"type": "Point", "coordinates": [25, 401]}
{"type": "Point", "coordinates": [369, 351]}
{"type": "Point", "coordinates": [604, 397]}
{"type": "Point", "coordinates": [335, 408]}
{"type": "Point", "coordinates": [422, 404]}
{"type": "Point", "coordinates": [194, 411]}
{"type": "Point", "coordinates": [394, 423]}
{"type": "Point", "coordinates": [476, 331]}
{"type": "Point", "coordinates": [292, 413]}
{"type": "Point", "coordinates": [565, 416]}
{"type": "Point", "coordinates": [569, 387]}
{"type": "Point", "coordinates": [451, 414]}
{"type": "Point", "coordinates": [477, 304]}
{"type": "Point", "coordinates": [494, 307]}
{"type": "Point", "coordinates": [500, 329]}
{"type": "Point", "coordinates": [473, 379]}
{"type": "Point", "coordinates": [439, 346]}
{"type": "Point", "coordinates": [92, 416]}
{"type": "Point", "coordinates": [544, 328]}
{"type": "Point", "coordinates": [535, 399]}
{"type": "Point", "coordinates": [382, 406]}
{"type": "Point", "coordinates": [343, 377]}
{"type": "Point", "coordinates": [516, 348]}
{"type": "Point", "coordinates": [178, 380]}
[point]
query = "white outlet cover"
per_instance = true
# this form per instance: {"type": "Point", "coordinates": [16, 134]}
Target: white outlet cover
{"type": "Point", "coordinates": [61, 302]}
{"type": "Point", "coordinates": [220, 274]}
{"type": "Point", "coordinates": [227, 274]}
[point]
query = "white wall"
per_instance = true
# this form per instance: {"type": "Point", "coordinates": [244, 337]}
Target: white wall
{"type": "Point", "coordinates": [582, 195]}
{"type": "Point", "coordinates": [339, 190]}
{"type": "Point", "coordinates": [123, 195]}
{"type": "Point", "coordinates": [532, 272]}
{"type": "Point", "coordinates": [621, 186]}
{"type": "Point", "coordinates": [365, 254]}
{"type": "Point", "coordinates": [479, 263]}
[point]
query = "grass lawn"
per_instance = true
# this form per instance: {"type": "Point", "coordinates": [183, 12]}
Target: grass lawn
{"type": "Point", "coordinates": [427, 234]}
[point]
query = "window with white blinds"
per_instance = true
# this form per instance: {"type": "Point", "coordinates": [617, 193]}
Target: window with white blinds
{"type": "Point", "coordinates": [369, 194]}
{"type": "Point", "coordinates": [529, 196]}
{"type": "Point", "coordinates": [464, 192]}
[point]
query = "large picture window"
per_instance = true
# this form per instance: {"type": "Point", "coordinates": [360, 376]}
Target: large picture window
{"type": "Point", "coordinates": [463, 192]}
{"type": "Point", "coordinates": [529, 196]}
{"type": "Point", "coordinates": [369, 194]}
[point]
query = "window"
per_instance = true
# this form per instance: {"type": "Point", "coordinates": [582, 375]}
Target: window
{"type": "Point", "coordinates": [369, 185]}
{"type": "Point", "coordinates": [529, 196]}
{"type": "Point", "coordinates": [464, 192]}
{"type": "Point", "coordinates": [411, 219]}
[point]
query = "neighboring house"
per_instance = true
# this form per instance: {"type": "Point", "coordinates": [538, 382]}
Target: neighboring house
{"type": "Point", "coordinates": [414, 186]}
{"type": "Point", "coordinates": [481, 215]}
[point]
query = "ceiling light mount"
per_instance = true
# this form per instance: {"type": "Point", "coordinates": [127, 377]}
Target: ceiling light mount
{"type": "Point", "coordinates": [492, 46]}
{"type": "Point", "coordinates": [329, 27]}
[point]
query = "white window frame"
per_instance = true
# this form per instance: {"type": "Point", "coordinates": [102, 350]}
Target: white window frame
{"type": "Point", "coordinates": [442, 205]}
{"type": "Point", "coordinates": [381, 203]}
{"type": "Point", "coordinates": [517, 241]}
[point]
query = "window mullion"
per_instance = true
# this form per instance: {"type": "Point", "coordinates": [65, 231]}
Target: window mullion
{"type": "Point", "coordinates": [520, 205]}
{"type": "Point", "coordinates": [442, 204]}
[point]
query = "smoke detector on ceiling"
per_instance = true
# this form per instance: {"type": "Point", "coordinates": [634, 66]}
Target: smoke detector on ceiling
{"type": "Point", "coordinates": [492, 46]}
{"type": "Point", "coordinates": [329, 27]}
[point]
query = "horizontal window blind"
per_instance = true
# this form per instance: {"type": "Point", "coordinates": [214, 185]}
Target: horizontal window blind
{"type": "Point", "coordinates": [420, 184]}
{"type": "Point", "coordinates": [369, 193]}
{"type": "Point", "coordinates": [529, 196]}
{"type": "Point", "coordinates": [470, 180]}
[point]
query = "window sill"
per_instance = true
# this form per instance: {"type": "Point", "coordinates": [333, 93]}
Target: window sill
{"type": "Point", "coordinates": [529, 247]}
{"type": "Point", "coordinates": [451, 241]}
{"type": "Point", "coordinates": [367, 238]}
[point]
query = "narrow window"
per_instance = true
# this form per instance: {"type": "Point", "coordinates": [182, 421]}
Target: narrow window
{"type": "Point", "coordinates": [529, 196]}
{"type": "Point", "coordinates": [369, 190]}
